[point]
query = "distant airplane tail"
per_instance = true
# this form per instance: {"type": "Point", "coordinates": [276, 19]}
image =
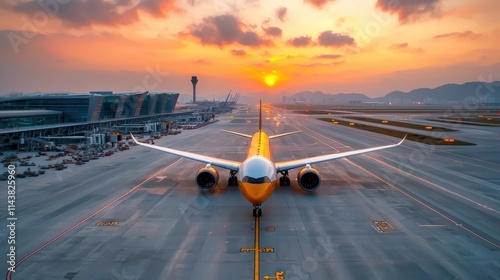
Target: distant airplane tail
{"type": "Point", "coordinates": [260, 116]}
{"type": "Point", "coordinates": [260, 128]}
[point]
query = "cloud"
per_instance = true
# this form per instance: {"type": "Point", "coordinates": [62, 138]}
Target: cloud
{"type": "Point", "coordinates": [328, 56]}
{"type": "Point", "coordinates": [239, 52]}
{"type": "Point", "coordinates": [157, 8]}
{"type": "Point", "coordinates": [202, 61]}
{"type": "Point", "coordinates": [80, 13]}
{"type": "Point", "coordinates": [399, 46]}
{"type": "Point", "coordinates": [249, 38]}
{"type": "Point", "coordinates": [408, 10]}
{"type": "Point", "coordinates": [302, 41]}
{"type": "Point", "coordinates": [273, 31]}
{"type": "Point", "coordinates": [329, 39]}
{"type": "Point", "coordinates": [281, 13]}
{"type": "Point", "coordinates": [404, 47]}
{"type": "Point", "coordinates": [319, 64]}
{"type": "Point", "coordinates": [224, 30]}
{"type": "Point", "coordinates": [461, 35]}
{"type": "Point", "coordinates": [318, 3]}
{"type": "Point", "coordinates": [281, 57]}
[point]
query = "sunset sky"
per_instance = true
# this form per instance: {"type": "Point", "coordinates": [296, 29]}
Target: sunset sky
{"type": "Point", "coordinates": [369, 46]}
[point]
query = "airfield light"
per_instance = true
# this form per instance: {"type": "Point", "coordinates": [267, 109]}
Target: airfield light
{"type": "Point", "coordinates": [352, 123]}
{"type": "Point", "coordinates": [428, 127]}
{"type": "Point", "coordinates": [385, 121]}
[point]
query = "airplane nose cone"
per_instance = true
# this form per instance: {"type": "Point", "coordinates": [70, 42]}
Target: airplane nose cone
{"type": "Point", "coordinates": [256, 193]}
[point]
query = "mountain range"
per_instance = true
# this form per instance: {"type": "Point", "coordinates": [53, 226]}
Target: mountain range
{"type": "Point", "coordinates": [471, 92]}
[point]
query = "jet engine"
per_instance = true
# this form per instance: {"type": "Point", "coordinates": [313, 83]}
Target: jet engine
{"type": "Point", "coordinates": [309, 179]}
{"type": "Point", "coordinates": [207, 178]}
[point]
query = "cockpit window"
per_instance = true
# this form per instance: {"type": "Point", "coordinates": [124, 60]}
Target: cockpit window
{"type": "Point", "coordinates": [252, 180]}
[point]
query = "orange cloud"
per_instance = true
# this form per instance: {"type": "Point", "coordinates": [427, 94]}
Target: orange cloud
{"type": "Point", "coordinates": [224, 30]}
{"type": "Point", "coordinates": [405, 48]}
{"type": "Point", "coordinates": [281, 13]}
{"type": "Point", "coordinates": [239, 52]}
{"type": "Point", "coordinates": [318, 3]}
{"type": "Point", "coordinates": [302, 41]}
{"type": "Point", "coordinates": [461, 35]}
{"type": "Point", "coordinates": [328, 56]}
{"type": "Point", "coordinates": [80, 13]}
{"type": "Point", "coordinates": [273, 31]}
{"type": "Point", "coordinates": [408, 10]}
{"type": "Point", "coordinates": [330, 39]}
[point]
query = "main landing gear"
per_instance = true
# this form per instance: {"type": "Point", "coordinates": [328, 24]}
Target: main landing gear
{"type": "Point", "coordinates": [232, 181]}
{"type": "Point", "coordinates": [284, 180]}
{"type": "Point", "coordinates": [257, 212]}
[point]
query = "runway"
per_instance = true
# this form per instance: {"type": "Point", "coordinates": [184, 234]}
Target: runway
{"type": "Point", "coordinates": [410, 212]}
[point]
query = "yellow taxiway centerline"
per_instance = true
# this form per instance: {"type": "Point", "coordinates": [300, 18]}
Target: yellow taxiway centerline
{"type": "Point", "coordinates": [256, 252]}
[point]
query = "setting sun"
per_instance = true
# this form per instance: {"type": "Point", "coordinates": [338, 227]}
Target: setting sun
{"type": "Point", "coordinates": [270, 80]}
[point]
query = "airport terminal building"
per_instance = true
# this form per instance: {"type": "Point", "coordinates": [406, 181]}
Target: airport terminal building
{"type": "Point", "coordinates": [94, 107]}
{"type": "Point", "coordinates": [31, 119]}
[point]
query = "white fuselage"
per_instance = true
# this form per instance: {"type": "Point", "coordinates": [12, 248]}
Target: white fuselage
{"type": "Point", "coordinates": [257, 173]}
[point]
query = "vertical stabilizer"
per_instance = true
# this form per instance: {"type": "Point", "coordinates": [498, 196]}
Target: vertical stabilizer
{"type": "Point", "coordinates": [260, 116]}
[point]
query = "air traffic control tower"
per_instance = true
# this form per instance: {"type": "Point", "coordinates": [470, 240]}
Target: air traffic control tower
{"type": "Point", "coordinates": [194, 80]}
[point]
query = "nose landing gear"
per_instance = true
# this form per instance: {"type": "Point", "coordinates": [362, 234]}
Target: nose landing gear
{"type": "Point", "coordinates": [257, 212]}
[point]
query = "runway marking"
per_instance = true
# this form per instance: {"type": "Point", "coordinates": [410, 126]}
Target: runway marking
{"type": "Point", "coordinates": [256, 253]}
{"type": "Point", "coordinates": [257, 250]}
{"type": "Point", "coordinates": [107, 223]}
{"type": "Point", "coordinates": [271, 229]}
{"type": "Point", "coordinates": [280, 275]}
{"type": "Point", "coordinates": [383, 227]}
{"type": "Point", "coordinates": [89, 217]}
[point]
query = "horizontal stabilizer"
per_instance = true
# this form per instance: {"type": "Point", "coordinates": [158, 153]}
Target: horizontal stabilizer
{"type": "Point", "coordinates": [283, 134]}
{"type": "Point", "coordinates": [237, 133]}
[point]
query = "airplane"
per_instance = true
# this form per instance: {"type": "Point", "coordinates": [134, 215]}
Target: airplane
{"type": "Point", "coordinates": [299, 101]}
{"type": "Point", "coordinates": [256, 175]}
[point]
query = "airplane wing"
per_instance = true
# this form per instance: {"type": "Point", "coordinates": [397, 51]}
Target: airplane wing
{"type": "Point", "coordinates": [224, 163]}
{"type": "Point", "coordinates": [287, 165]}
{"type": "Point", "coordinates": [237, 133]}
{"type": "Point", "coordinates": [250, 136]}
{"type": "Point", "coordinates": [283, 134]}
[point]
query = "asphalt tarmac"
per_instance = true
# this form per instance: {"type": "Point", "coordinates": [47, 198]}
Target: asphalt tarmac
{"type": "Point", "coordinates": [411, 212]}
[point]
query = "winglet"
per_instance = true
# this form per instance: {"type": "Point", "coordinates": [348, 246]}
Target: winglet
{"type": "Point", "coordinates": [237, 133]}
{"type": "Point", "coordinates": [260, 116]}
{"type": "Point", "coordinates": [400, 142]}
{"type": "Point", "coordinates": [133, 138]}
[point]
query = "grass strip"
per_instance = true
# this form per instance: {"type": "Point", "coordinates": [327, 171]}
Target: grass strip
{"type": "Point", "coordinates": [429, 140]}
{"type": "Point", "coordinates": [402, 124]}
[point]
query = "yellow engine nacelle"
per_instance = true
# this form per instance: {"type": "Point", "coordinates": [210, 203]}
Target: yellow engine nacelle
{"type": "Point", "coordinates": [207, 178]}
{"type": "Point", "coordinates": [309, 179]}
